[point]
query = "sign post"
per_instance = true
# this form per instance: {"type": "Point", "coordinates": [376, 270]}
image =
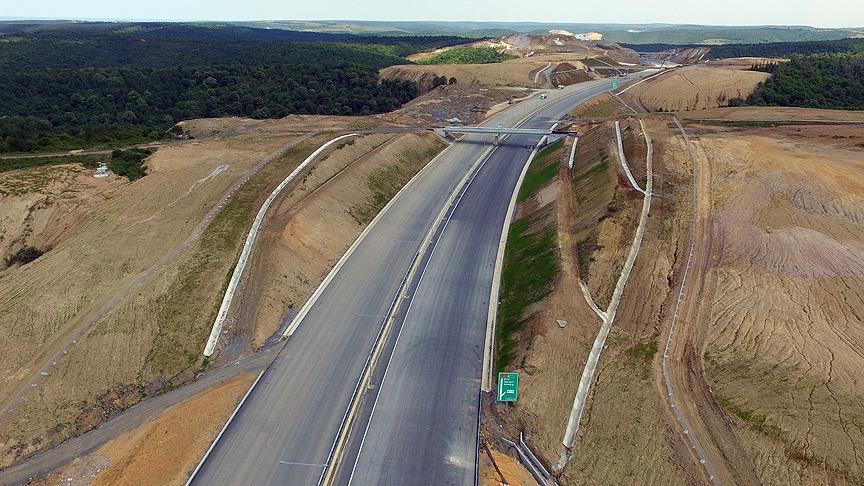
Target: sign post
{"type": "Point", "coordinates": [614, 84]}
{"type": "Point", "coordinates": [508, 386]}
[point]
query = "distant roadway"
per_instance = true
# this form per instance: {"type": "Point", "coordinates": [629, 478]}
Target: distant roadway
{"type": "Point", "coordinates": [418, 426]}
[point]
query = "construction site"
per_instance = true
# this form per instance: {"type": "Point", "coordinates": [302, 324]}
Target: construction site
{"type": "Point", "coordinates": [682, 284]}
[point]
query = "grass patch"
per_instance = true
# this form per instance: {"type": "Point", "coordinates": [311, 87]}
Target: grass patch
{"type": "Point", "coordinates": [385, 181]}
{"type": "Point", "coordinates": [531, 260]}
{"type": "Point", "coordinates": [186, 311]}
{"type": "Point", "coordinates": [640, 357]}
{"type": "Point", "coordinates": [585, 249]}
{"type": "Point", "coordinates": [643, 351]}
{"type": "Point", "coordinates": [753, 419]}
{"type": "Point", "coordinates": [715, 365]}
{"type": "Point", "coordinates": [542, 170]}
{"type": "Point", "coordinates": [602, 109]}
{"type": "Point", "coordinates": [190, 296]}
{"type": "Point", "coordinates": [595, 170]}
{"type": "Point", "coordinates": [469, 55]}
{"type": "Point", "coordinates": [88, 161]}
{"type": "Point", "coordinates": [530, 268]}
{"type": "Point", "coordinates": [129, 163]}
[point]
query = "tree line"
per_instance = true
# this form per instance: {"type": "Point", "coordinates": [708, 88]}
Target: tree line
{"type": "Point", "coordinates": [831, 81]}
{"type": "Point", "coordinates": [468, 55]}
{"type": "Point", "coordinates": [765, 49]}
{"type": "Point", "coordinates": [787, 49]}
{"type": "Point", "coordinates": [72, 87]}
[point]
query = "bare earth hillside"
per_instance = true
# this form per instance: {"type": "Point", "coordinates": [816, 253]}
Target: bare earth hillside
{"type": "Point", "coordinates": [544, 60]}
{"type": "Point", "coordinates": [765, 360]}
{"type": "Point", "coordinates": [782, 307]}
{"type": "Point", "coordinates": [120, 307]}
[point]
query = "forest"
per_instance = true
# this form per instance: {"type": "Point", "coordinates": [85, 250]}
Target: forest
{"type": "Point", "coordinates": [786, 49]}
{"type": "Point", "coordinates": [831, 81]}
{"type": "Point", "coordinates": [103, 85]}
{"type": "Point", "coordinates": [468, 55]}
{"type": "Point", "coordinates": [767, 49]}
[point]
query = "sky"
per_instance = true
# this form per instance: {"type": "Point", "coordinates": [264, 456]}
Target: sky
{"type": "Point", "coordinates": [834, 13]}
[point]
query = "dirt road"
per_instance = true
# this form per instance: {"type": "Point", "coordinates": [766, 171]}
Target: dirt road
{"type": "Point", "coordinates": [702, 424]}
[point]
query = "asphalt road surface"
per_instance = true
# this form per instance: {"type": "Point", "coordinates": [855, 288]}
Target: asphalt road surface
{"type": "Point", "coordinates": [424, 426]}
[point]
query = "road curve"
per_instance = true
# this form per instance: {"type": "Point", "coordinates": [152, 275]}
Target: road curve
{"type": "Point", "coordinates": [424, 419]}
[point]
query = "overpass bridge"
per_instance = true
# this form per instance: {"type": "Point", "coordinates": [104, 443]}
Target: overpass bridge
{"type": "Point", "coordinates": [614, 68]}
{"type": "Point", "coordinates": [498, 131]}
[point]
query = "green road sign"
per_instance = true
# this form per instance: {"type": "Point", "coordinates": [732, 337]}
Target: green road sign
{"type": "Point", "coordinates": [614, 84]}
{"type": "Point", "coordinates": [508, 386]}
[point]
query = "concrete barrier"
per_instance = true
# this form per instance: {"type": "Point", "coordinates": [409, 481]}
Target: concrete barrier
{"type": "Point", "coordinates": [216, 330]}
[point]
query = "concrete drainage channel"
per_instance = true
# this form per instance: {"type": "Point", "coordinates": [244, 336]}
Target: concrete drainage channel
{"type": "Point", "coordinates": [354, 418]}
{"type": "Point", "coordinates": [249, 244]}
{"type": "Point", "coordinates": [530, 461]}
{"type": "Point", "coordinates": [608, 316]}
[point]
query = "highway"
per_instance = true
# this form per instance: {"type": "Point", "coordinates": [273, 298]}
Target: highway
{"type": "Point", "coordinates": [421, 426]}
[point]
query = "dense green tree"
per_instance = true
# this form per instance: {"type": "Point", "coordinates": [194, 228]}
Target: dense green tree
{"type": "Point", "coordinates": [817, 81]}
{"type": "Point", "coordinates": [108, 85]}
{"type": "Point", "coordinates": [766, 49]}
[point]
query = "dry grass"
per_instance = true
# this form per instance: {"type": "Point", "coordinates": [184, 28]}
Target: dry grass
{"type": "Point", "coordinates": [512, 73]}
{"type": "Point", "coordinates": [518, 72]}
{"type": "Point", "coordinates": [623, 438]}
{"type": "Point", "coordinates": [773, 113]}
{"type": "Point", "coordinates": [615, 232]}
{"type": "Point", "coordinates": [39, 206]}
{"type": "Point", "coordinates": [313, 227]}
{"type": "Point", "coordinates": [694, 88]}
{"type": "Point", "coordinates": [151, 339]}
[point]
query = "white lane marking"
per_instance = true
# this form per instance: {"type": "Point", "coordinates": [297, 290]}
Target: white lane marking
{"type": "Point", "coordinates": [224, 428]}
{"type": "Point", "coordinates": [370, 359]}
{"type": "Point", "coordinates": [288, 463]}
{"type": "Point", "coordinates": [433, 229]}
{"type": "Point", "coordinates": [408, 311]}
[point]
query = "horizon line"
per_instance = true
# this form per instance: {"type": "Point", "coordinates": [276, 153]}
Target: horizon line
{"type": "Point", "coordinates": [503, 22]}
